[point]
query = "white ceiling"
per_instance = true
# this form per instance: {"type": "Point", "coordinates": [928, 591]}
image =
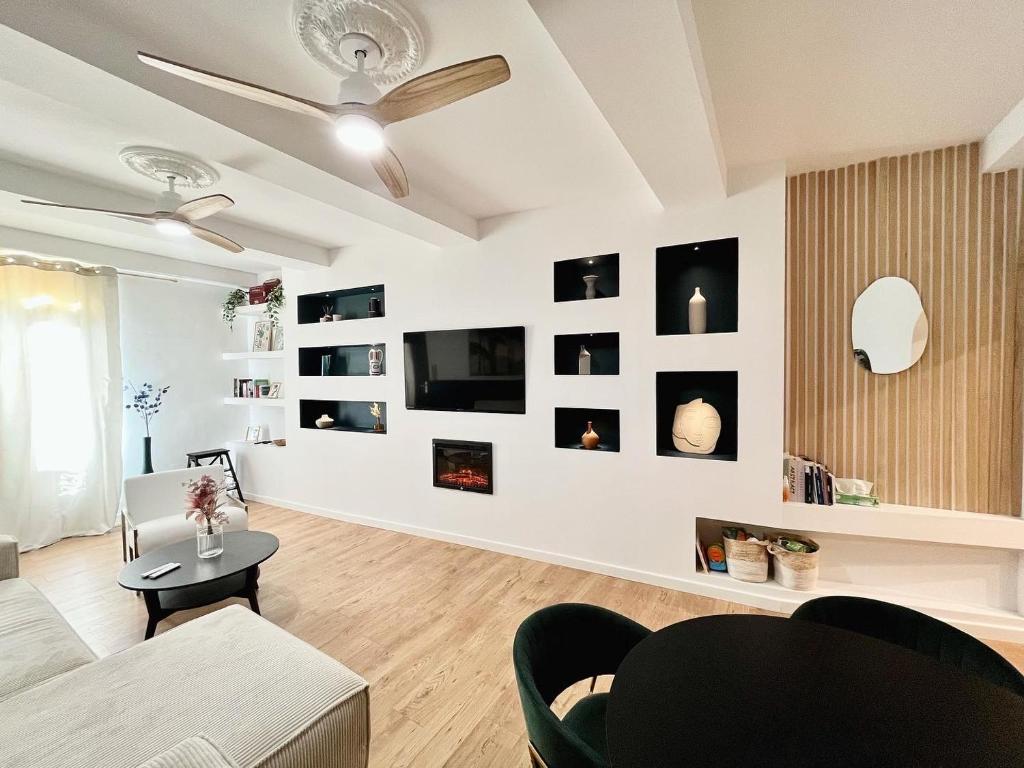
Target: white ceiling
{"type": "Point", "coordinates": [819, 83]}
{"type": "Point", "coordinates": [656, 100]}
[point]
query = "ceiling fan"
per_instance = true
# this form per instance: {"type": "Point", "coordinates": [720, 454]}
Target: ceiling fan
{"type": "Point", "coordinates": [362, 112]}
{"type": "Point", "coordinates": [174, 216]}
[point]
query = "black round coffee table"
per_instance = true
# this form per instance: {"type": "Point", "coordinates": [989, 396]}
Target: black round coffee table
{"type": "Point", "coordinates": [199, 581]}
{"type": "Point", "coordinates": [761, 690]}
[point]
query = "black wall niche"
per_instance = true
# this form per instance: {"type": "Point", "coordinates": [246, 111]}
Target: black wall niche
{"type": "Point", "coordinates": [571, 423]}
{"type": "Point", "coordinates": [351, 303]}
{"type": "Point", "coordinates": [348, 415]}
{"type": "Point", "coordinates": [711, 265]}
{"type": "Point", "coordinates": [345, 360]}
{"type": "Point", "coordinates": [569, 285]}
{"type": "Point", "coordinates": [719, 388]}
{"type": "Point", "coordinates": [603, 349]}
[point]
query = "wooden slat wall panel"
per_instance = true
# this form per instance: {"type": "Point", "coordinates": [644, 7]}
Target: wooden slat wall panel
{"type": "Point", "coordinates": [946, 433]}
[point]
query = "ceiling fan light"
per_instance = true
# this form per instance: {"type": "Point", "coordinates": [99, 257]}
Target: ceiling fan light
{"type": "Point", "coordinates": [360, 133]}
{"type": "Point", "coordinates": [172, 227]}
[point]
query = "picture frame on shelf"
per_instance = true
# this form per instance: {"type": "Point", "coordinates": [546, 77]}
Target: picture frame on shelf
{"type": "Point", "coordinates": [277, 339]}
{"type": "Point", "coordinates": [253, 433]}
{"type": "Point", "coordinates": [261, 336]}
{"type": "Point", "coordinates": [275, 389]}
{"type": "Point", "coordinates": [264, 390]}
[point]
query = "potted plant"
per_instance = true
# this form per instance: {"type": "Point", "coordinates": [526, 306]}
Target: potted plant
{"type": "Point", "coordinates": [146, 401]}
{"type": "Point", "coordinates": [203, 501]}
{"type": "Point", "coordinates": [275, 302]}
{"type": "Point", "coordinates": [229, 309]}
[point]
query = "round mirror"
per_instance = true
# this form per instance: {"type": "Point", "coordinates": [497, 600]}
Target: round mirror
{"type": "Point", "coordinates": [890, 328]}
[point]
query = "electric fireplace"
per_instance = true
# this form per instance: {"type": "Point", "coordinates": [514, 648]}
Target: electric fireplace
{"type": "Point", "coordinates": [463, 466]}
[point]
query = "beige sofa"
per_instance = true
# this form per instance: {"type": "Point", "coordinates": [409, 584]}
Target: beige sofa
{"type": "Point", "coordinates": [227, 689]}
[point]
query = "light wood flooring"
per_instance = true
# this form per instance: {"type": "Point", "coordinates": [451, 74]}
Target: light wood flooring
{"type": "Point", "coordinates": [428, 624]}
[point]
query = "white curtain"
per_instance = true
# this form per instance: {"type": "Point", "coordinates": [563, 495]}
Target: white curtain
{"type": "Point", "coordinates": [60, 399]}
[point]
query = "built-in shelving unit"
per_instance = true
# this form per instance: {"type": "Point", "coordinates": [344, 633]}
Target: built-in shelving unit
{"type": "Point", "coordinates": [349, 303]}
{"type": "Point", "coordinates": [712, 266]}
{"type": "Point", "coordinates": [263, 402]}
{"type": "Point", "coordinates": [603, 349]}
{"type": "Point", "coordinates": [339, 360]}
{"type": "Point", "coordinates": [569, 274]}
{"type": "Point", "coordinates": [718, 388]}
{"type": "Point", "coordinates": [348, 415]}
{"type": "Point", "coordinates": [571, 423]}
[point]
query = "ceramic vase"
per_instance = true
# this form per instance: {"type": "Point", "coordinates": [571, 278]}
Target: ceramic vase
{"type": "Point", "coordinates": [324, 422]}
{"type": "Point", "coordinates": [698, 312]}
{"type": "Point", "coordinates": [590, 438]}
{"type": "Point", "coordinates": [696, 427]}
{"type": "Point", "coordinates": [376, 358]}
{"type": "Point", "coordinates": [584, 363]}
{"type": "Point", "coordinates": [591, 281]}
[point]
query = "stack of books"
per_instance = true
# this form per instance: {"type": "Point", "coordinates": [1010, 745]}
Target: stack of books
{"type": "Point", "coordinates": [251, 388]}
{"type": "Point", "coordinates": [809, 481]}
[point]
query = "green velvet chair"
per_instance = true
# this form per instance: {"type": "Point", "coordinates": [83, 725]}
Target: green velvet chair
{"type": "Point", "coordinates": [916, 631]}
{"type": "Point", "coordinates": [555, 648]}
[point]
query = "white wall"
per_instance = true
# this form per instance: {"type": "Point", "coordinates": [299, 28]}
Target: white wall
{"type": "Point", "coordinates": [631, 512]}
{"type": "Point", "coordinates": [171, 333]}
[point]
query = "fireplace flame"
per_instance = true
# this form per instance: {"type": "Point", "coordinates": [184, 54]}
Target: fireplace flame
{"type": "Point", "coordinates": [465, 478]}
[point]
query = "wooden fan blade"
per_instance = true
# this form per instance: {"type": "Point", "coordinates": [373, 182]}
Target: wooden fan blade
{"type": "Point", "coordinates": [215, 239]}
{"type": "Point", "coordinates": [122, 214]}
{"type": "Point", "coordinates": [440, 88]}
{"type": "Point", "coordinates": [202, 207]}
{"type": "Point", "coordinates": [391, 172]}
{"type": "Point", "coordinates": [240, 88]}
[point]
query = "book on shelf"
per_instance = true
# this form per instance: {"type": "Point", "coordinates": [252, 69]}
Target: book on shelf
{"type": "Point", "coordinates": [809, 481]}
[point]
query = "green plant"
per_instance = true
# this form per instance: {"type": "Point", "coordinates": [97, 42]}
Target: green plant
{"type": "Point", "coordinates": [275, 301]}
{"type": "Point", "coordinates": [229, 309]}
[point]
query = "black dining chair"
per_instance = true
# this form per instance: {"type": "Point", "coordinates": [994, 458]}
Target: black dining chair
{"type": "Point", "coordinates": [555, 648]}
{"type": "Point", "coordinates": [916, 631]}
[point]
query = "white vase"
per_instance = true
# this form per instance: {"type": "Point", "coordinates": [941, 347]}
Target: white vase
{"type": "Point", "coordinates": [325, 422]}
{"type": "Point", "coordinates": [590, 280]}
{"type": "Point", "coordinates": [584, 369]}
{"type": "Point", "coordinates": [698, 312]}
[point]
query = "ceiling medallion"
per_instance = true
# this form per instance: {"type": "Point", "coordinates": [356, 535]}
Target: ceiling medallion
{"type": "Point", "coordinates": [322, 27]}
{"type": "Point", "coordinates": [159, 164]}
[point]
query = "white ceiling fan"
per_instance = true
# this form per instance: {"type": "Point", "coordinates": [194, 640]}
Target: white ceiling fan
{"type": "Point", "coordinates": [174, 215]}
{"type": "Point", "coordinates": [361, 114]}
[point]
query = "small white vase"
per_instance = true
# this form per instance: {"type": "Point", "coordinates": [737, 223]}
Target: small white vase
{"type": "Point", "coordinates": [325, 422]}
{"type": "Point", "coordinates": [698, 312]}
{"type": "Point", "coordinates": [590, 280]}
{"type": "Point", "coordinates": [584, 369]}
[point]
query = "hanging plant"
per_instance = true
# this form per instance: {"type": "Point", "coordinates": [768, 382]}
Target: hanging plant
{"type": "Point", "coordinates": [229, 309]}
{"type": "Point", "coordinates": [275, 301]}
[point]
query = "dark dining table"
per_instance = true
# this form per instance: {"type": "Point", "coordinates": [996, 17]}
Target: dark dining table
{"type": "Point", "coordinates": [742, 690]}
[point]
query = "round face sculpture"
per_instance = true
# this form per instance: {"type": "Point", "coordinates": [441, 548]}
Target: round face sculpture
{"type": "Point", "coordinates": [696, 427]}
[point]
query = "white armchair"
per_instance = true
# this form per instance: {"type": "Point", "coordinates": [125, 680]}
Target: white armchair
{"type": "Point", "coordinates": [154, 509]}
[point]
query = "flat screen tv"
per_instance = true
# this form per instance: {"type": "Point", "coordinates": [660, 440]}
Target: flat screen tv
{"type": "Point", "coordinates": [472, 369]}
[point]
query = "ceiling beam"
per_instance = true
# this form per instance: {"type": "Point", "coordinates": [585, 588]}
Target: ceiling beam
{"type": "Point", "coordinates": [21, 181]}
{"type": "Point", "coordinates": [43, 244]}
{"type": "Point", "coordinates": [1003, 148]}
{"type": "Point", "coordinates": [108, 82]}
{"type": "Point", "coordinates": [641, 64]}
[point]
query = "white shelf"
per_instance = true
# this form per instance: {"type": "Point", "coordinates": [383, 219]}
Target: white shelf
{"type": "Point", "coordinates": [994, 623]}
{"type": "Point", "coordinates": [276, 355]}
{"type": "Point", "coordinates": [251, 310]}
{"type": "Point", "coordinates": [268, 402]}
{"type": "Point", "coordinates": [893, 521]}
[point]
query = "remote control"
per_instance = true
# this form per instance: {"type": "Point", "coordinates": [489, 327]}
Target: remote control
{"type": "Point", "coordinates": [165, 570]}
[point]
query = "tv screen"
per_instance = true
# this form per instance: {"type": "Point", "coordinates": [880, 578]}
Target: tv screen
{"type": "Point", "coordinates": [473, 369]}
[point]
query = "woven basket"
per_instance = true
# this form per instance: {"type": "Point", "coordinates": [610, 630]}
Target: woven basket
{"type": "Point", "coordinates": [796, 570]}
{"type": "Point", "coordinates": [747, 560]}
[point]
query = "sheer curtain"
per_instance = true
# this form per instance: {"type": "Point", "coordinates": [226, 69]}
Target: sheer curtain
{"type": "Point", "coordinates": [60, 399]}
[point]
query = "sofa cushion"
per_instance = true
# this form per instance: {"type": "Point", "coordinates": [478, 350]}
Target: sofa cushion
{"type": "Point", "coordinates": [195, 752]}
{"type": "Point", "coordinates": [263, 696]}
{"type": "Point", "coordinates": [36, 643]}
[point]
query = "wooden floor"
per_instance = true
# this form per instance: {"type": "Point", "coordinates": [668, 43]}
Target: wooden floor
{"type": "Point", "coordinates": [428, 624]}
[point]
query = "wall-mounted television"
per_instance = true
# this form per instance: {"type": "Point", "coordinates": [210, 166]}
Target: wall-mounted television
{"type": "Point", "coordinates": [470, 369]}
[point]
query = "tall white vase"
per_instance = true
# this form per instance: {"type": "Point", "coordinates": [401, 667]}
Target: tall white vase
{"type": "Point", "coordinates": [590, 281]}
{"type": "Point", "coordinates": [698, 312]}
{"type": "Point", "coordinates": [584, 369]}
